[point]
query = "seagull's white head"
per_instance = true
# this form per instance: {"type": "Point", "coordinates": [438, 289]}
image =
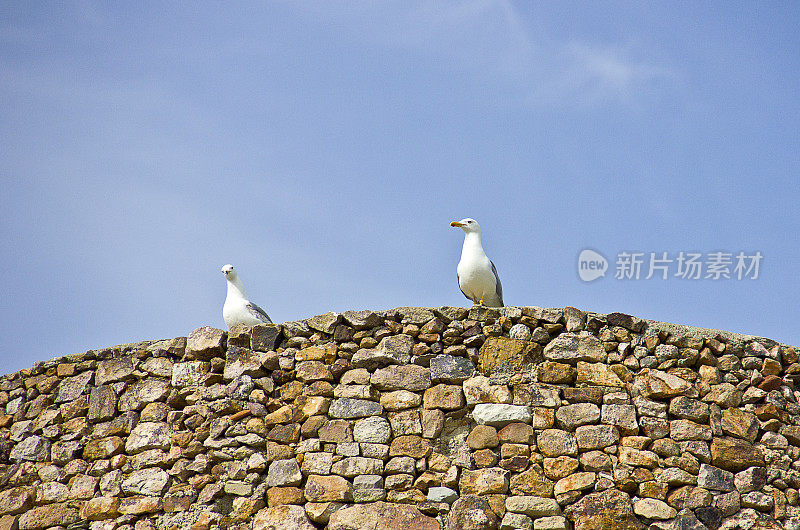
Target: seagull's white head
{"type": "Point", "coordinates": [468, 225]}
{"type": "Point", "coordinates": [229, 271]}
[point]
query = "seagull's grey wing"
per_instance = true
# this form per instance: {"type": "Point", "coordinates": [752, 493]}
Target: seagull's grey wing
{"type": "Point", "coordinates": [259, 313]}
{"type": "Point", "coordinates": [499, 285]}
{"type": "Point", "coordinates": [458, 279]}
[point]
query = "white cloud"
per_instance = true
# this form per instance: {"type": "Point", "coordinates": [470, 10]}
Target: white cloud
{"type": "Point", "coordinates": [503, 50]}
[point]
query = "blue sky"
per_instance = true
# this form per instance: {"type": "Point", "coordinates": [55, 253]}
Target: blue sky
{"type": "Point", "coordinates": [324, 147]}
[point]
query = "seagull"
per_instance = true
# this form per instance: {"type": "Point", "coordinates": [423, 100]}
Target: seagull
{"type": "Point", "coordinates": [477, 275]}
{"type": "Point", "coordinates": [238, 309]}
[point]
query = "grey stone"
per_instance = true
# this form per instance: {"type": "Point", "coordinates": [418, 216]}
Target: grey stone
{"type": "Point", "coordinates": [751, 479]}
{"type": "Point", "coordinates": [591, 437]}
{"type": "Point", "coordinates": [190, 373]}
{"type": "Point", "coordinates": [471, 512]}
{"type": "Point", "coordinates": [654, 509]}
{"type": "Point", "coordinates": [727, 503]}
{"type": "Point", "coordinates": [113, 370]}
{"type": "Point", "coordinates": [63, 452]}
{"type": "Point", "coordinates": [665, 352]}
{"type": "Point", "coordinates": [714, 478]}
{"type": "Point", "coordinates": [157, 366]}
{"type": "Point", "coordinates": [622, 416]}
{"type": "Point", "coordinates": [571, 416]}
{"type": "Point", "coordinates": [499, 415]}
{"type": "Point", "coordinates": [102, 403]}
{"type": "Point", "coordinates": [415, 315]}
{"type": "Point", "coordinates": [395, 349]}
{"type": "Point", "coordinates": [149, 435]}
{"type": "Point", "coordinates": [516, 521]}
{"type": "Point", "coordinates": [519, 332]}
{"type": "Point", "coordinates": [401, 465]}
{"type": "Point", "coordinates": [408, 377]}
{"type": "Point", "coordinates": [33, 449]}
{"type": "Point", "coordinates": [70, 388]}
{"type": "Point", "coordinates": [205, 343]}
{"type": "Point", "coordinates": [265, 337]}
{"type": "Point", "coordinates": [284, 473]}
{"type": "Point", "coordinates": [532, 506]}
{"type": "Point", "coordinates": [352, 466]}
{"type": "Point", "coordinates": [690, 409]}
{"type": "Point", "coordinates": [242, 361]}
{"type": "Point", "coordinates": [325, 323]}
{"type": "Point", "coordinates": [353, 408]}
{"type": "Point", "coordinates": [573, 347]}
{"type": "Point", "coordinates": [555, 443]}
{"type": "Point", "coordinates": [149, 481]}
{"type": "Point", "coordinates": [757, 499]}
{"type": "Point", "coordinates": [317, 463]}
{"type": "Point", "coordinates": [362, 319]}
{"type": "Point", "coordinates": [686, 520]}
{"type": "Point", "coordinates": [146, 391]}
{"type": "Point", "coordinates": [374, 429]}
{"type": "Point", "coordinates": [442, 494]}
{"type": "Point", "coordinates": [451, 369]}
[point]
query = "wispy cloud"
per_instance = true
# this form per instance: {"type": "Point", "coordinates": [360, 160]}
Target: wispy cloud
{"type": "Point", "coordinates": [494, 44]}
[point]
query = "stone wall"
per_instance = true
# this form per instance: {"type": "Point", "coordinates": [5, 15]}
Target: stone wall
{"type": "Point", "coordinates": [409, 418]}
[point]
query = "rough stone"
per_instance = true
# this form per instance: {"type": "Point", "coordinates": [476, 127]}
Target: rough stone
{"type": "Point", "coordinates": [374, 429]}
{"type": "Point", "coordinates": [479, 389]}
{"type": "Point", "coordinates": [573, 347]}
{"type": "Point", "coordinates": [113, 370]}
{"type": "Point", "coordinates": [590, 437]}
{"type": "Point", "coordinates": [149, 435]}
{"type": "Point", "coordinates": [471, 512]}
{"type": "Point", "coordinates": [608, 510]}
{"type": "Point", "coordinates": [571, 416]}
{"type": "Point", "coordinates": [598, 374]}
{"type": "Point", "coordinates": [205, 343]}
{"type": "Point", "coordinates": [621, 416]}
{"type": "Point", "coordinates": [504, 354]}
{"type": "Point", "coordinates": [51, 515]}
{"type": "Point", "coordinates": [451, 369]}
{"type": "Point", "coordinates": [533, 506]}
{"type": "Point", "coordinates": [499, 415]}
{"type": "Point", "coordinates": [150, 482]}
{"type": "Point", "coordinates": [654, 509]}
{"type": "Point", "coordinates": [353, 408]}
{"type": "Point", "coordinates": [408, 377]}
{"type": "Point", "coordinates": [15, 500]}
{"type": "Point", "coordinates": [733, 454]}
{"type": "Point", "coordinates": [70, 388]}
{"type": "Point", "coordinates": [381, 515]}
{"type": "Point", "coordinates": [32, 448]}
{"type": "Point", "coordinates": [321, 488]}
{"type": "Point", "coordinates": [284, 473]}
{"type": "Point", "coordinates": [392, 350]}
{"type": "Point", "coordinates": [445, 397]}
{"type": "Point", "coordinates": [556, 442]}
{"type": "Point", "coordinates": [400, 400]}
{"type": "Point", "coordinates": [714, 478]}
{"type": "Point", "coordinates": [284, 517]}
{"type": "Point", "coordinates": [483, 481]}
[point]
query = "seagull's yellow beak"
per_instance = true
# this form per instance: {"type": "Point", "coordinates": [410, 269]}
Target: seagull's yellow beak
{"type": "Point", "coordinates": [456, 223]}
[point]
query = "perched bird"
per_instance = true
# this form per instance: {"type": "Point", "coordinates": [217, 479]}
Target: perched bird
{"type": "Point", "coordinates": [477, 275]}
{"type": "Point", "coordinates": [238, 309]}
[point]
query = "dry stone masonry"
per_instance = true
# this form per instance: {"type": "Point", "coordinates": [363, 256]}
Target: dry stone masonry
{"type": "Point", "coordinates": [410, 418]}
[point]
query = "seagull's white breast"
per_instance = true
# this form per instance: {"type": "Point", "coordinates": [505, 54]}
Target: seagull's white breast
{"type": "Point", "coordinates": [235, 312]}
{"type": "Point", "coordinates": [475, 276]}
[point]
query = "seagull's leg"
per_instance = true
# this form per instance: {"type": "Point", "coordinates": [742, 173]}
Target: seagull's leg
{"type": "Point", "coordinates": [481, 302]}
